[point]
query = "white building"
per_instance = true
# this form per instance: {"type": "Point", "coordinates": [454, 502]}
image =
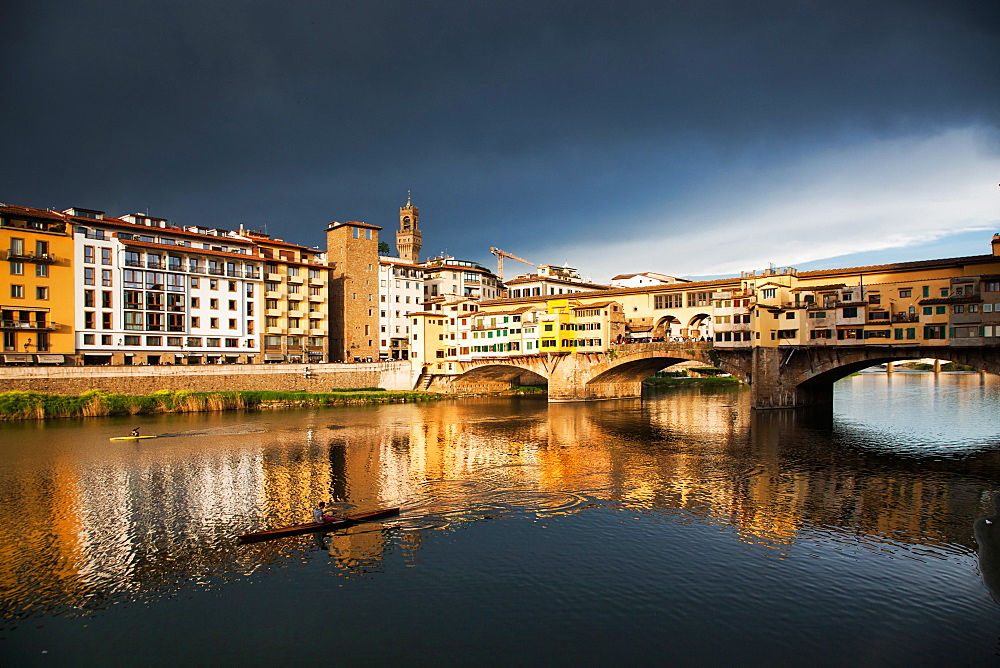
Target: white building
{"type": "Point", "coordinates": [152, 293]}
{"type": "Point", "coordinates": [401, 291]}
{"type": "Point", "coordinates": [644, 279]}
{"type": "Point", "coordinates": [550, 280]}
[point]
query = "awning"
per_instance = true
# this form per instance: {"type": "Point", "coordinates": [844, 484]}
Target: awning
{"type": "Point", "coordinates": [232, 357]}
{"type": "Point", "coordinates": [194, 355]}
{"type": "Point", "coordinates": [90, 354]}
{"type": "Point", "coordinates": [20, 359]}
{"type": "Point", "coordinates": [51, 359]}
{"type": "Point", "coordinates": [271, 357]}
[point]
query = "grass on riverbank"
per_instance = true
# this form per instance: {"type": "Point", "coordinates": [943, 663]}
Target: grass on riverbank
{"type": "Point", "coordinates": [97, 403]}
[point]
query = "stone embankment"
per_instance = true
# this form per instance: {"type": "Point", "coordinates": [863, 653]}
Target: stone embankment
{"type": "Point", "coordinates": [138, 380]}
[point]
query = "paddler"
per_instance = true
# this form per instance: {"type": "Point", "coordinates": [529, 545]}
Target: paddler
{"type": "Point", "coordinates": [320, 514]}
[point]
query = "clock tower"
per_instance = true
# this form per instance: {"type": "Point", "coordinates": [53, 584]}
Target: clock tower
{"type": "Point", "coordinates": [408, 238]}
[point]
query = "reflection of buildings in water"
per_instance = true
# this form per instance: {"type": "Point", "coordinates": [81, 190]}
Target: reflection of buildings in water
{"type": "Point", "coordinates": [987, 532]}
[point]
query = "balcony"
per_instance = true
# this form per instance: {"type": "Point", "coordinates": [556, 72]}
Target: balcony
{"type": "Point", "coordinates": [24, 325]}
{"type": "Point", "coordinates": [317, 298]}
{"type": "Point", "coordinates": [274, 278]}
{"type": "Point", "coordinates": [273, 294]}
{"type": "Point", "coordinates": [906, 317]}
{"type": "Point", "coordinates": [296, 279]}
{"type": "Point", "coordinates": [37, 258]}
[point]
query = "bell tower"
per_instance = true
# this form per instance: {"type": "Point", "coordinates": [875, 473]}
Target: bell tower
{"type": "Point", "coordinates": [408, 238]}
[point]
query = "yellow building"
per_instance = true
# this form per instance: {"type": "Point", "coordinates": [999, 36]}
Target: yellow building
{"type": "Point", "coordinates": [36, 302]}
{"type": "Point", "coordinates": [295, 302]}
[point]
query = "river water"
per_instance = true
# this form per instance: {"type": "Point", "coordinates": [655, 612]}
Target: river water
{"type": "Point", "coordinates": [682, 529]}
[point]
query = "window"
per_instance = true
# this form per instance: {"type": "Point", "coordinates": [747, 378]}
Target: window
{"type": "Point", "coordinates": [131, 340]}
{"type": "Point", "coordinates": [154, 340]}
{"type": "Point", "coordinates": [105, 256]}
{"type": "Point", "coordinates": [232, 304]}
{"type": "Point", "coordinates": [88, 320]}
{"type": "Point", "coordinates": [106, 278]}
{"type": "Point", "coordinates": [874, 298]}
{"type": "Point", "coordinates": [958, 308]}
{"type": "Point", "coordinates": [88, 276]}
{"type": "Point", "coordinates": [213, 323]}
{"type": "Point", "coordinates": [17, 291]}
{"type": "Point", "coordinates": [940, 310]}
{"type": "Point", "coordinates": [88, 298]}
{"type": "Point", "coordinates": [934, 332]}
{"type": "Point", "coordinates": [88, 339]}
{"type": "Point", "coordinates": [41, 270]}
{"type": "Point", "coordinates": [928, 310]}
{"type": "Point", "coordinates": [903, 294]}
{"type": "Point", "coordinates": [668, 301]}
{"type": "Point", "coordinates": [17, 269]}
{"type": "Point", "coordinates": [41, 292]}
{"type": "Point", "coordinates": [105, 299]}
{"type": "Point", "coordinates": [926, 291]}
{"type": "Point", "coordinates": [106, 321]}
{"type": "Point", "coordinates": [944, 292]}
{"type": "Point", "coordinates": [88, 254]}
{"type": "Point", "coordinates": [766, 293]}
{"type": "Point", "coordinates": [851, 312]}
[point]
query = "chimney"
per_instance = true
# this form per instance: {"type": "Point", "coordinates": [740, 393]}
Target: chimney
{"type": "Point", "coordinates": [996, 244]}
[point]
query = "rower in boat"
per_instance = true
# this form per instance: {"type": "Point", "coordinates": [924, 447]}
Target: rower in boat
{"type": "Point", "coordinates": [321, 516]}
{"type": "Point", "coordinates": [134, 433]}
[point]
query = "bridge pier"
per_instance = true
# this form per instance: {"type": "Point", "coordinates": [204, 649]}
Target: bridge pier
{"type": "Point", "coordinates": [774, 387]}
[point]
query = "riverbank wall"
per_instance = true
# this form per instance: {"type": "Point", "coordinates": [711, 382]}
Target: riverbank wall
{"type": "Point", "coordinates": [139, 380]}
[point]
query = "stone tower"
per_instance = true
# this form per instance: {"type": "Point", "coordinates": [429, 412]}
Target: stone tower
{"type": "Point", "coordinates": [352, 254]}
{"type": "Point", "coordinates": [408, 241]}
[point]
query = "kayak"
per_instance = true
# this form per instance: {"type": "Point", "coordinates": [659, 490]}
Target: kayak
{"type": "Point", "coordinates": [311, 527]}
{"type": "Point", "coordinates": [129, 438]}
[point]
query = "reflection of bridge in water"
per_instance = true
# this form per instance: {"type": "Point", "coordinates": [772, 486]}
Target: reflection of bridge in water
{"type": "Point", "coordinates": [785, 377]}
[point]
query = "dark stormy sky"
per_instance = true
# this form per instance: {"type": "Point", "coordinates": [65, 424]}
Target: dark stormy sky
{"type": "Point", "coordinates": [689, 138]}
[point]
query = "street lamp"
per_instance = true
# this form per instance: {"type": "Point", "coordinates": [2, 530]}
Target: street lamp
{"type": "Point", "coordinates": [27, 344]}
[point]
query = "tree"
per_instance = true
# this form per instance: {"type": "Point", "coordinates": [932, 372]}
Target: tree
{"type": "Point", "coordinates": [383, 248]}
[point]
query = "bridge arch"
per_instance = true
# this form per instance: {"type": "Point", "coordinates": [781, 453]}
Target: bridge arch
{"type": "Point", "coordinates": [804, 376]}
{"type": "Point", "coordinates": [500, 372]}
{"type": "Point", "coordinates": [700, 326]}
{"type": "Point", "coordinates": [666, 327]}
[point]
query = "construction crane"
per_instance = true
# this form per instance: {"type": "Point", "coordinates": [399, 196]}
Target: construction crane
{"type": "Point", "coordinates": [501, 254]}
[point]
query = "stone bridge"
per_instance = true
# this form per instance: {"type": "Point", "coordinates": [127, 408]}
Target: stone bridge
{"type": "Point", "coordinates": [784, 377]}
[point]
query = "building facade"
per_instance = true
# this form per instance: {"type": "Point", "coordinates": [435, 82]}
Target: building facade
{"type": "Point", "coordinates": [36, 305]}
{"type": "Point", "coordinates": [352, 255]}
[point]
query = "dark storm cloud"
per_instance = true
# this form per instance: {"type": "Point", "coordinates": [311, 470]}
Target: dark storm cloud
{"type": "Point", "coordinates": [499, 115]}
